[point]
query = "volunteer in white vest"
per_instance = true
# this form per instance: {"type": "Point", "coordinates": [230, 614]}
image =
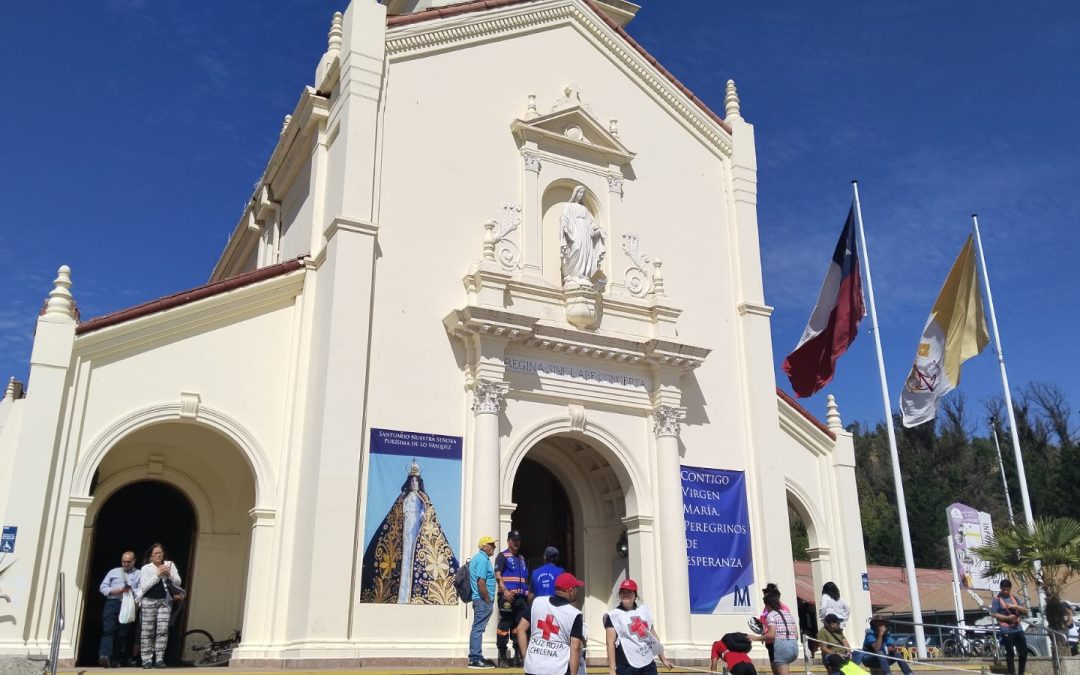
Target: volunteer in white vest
{"type": "Point", "coordinates": [632, 644]}
{"type": "Point", "coordinates": [556, 631]}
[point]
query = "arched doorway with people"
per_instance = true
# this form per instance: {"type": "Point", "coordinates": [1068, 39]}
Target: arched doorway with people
{"type": "Point", "coordinates": [573, 492]}
{"type": "Point", "coordinates": [184, 485]}
{"type": "Point", "coordinates": [131, 519]}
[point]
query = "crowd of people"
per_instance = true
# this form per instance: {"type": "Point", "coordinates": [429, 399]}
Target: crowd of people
{"type": "Point", "coordinates": [142, 597]}
{"type": "Point", "coordinates": [538, 611]}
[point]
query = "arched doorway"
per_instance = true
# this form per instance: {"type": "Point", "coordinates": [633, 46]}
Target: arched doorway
{"type": "Point", "coordinates": [566, 491]}
{"type": "Point", "coordinates": [544, 512]}
{"type": "Point", "coordinates": [209, 470]}
{"type": "Point", "coordinates": [134, 518]}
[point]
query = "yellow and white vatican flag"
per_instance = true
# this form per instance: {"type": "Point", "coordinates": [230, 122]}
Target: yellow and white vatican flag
{"type": "Point", "coordinates": [955, 331]}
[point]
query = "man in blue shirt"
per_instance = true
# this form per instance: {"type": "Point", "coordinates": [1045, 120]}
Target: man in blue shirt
{"type": "Point", "coordinates": [114, 650]}
{"type": "Point", "coordinates": [1008, 611]}
{"type": "Point", "coordinates": [542, 582]}
{"type": "Point", "coordinates": [876, 648]}
{"type": "Point", "coordinates": [482, 583]}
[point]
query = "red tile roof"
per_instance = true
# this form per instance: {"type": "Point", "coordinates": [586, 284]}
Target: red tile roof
{"type": "Point", "coordinates": [191, 295]}
{"type": "Point", "coordinates": [804, 412]}
{"type": "Point", "coordinates": [888, 585]}
{"type": "Point", "coordinates": [481, 5]}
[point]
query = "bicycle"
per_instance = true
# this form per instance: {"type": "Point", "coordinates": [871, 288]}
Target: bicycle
{"type": "Point", "coordinates": [201, 650]}
{"type": "Point", "coordinates": [961, 646]}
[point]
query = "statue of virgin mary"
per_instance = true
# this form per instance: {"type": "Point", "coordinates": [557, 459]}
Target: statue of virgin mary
{"type": "Point", "coordinates": [408, 559]}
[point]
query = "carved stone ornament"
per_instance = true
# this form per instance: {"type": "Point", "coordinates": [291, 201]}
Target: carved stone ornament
{"type": "Point", "coordinates": [614, 184]}
{"type": "Point", "coordinates": [571, 98]}
{"type": "Point", "coordinates": [488, 397]}
{"type": "Point", "coordinates": [667, 421]}
{"type": "Point", "coordinates": [532, 162]}
{"type": "Point", "coordinates": [638, 278]}
{"type": "Point", "coordinates": [497, 244]}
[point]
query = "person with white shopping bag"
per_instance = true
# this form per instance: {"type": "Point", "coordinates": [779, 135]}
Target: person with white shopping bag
{"type": "Point", "coordinates": [118, 617]}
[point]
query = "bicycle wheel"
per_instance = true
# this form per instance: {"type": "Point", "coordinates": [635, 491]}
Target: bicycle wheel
{"type": "Point", "coordinates": [950, 649]}
{"type": "Point", "coordinates": [215, 657]}
{"type": "Point", "coordinates": [194, 645]}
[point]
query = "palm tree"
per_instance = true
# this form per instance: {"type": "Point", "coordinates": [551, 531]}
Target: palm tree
{"type": "Point", "coordinates": [1048, 555]}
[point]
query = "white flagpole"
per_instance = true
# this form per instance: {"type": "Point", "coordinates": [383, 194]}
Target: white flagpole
{"type": "Point", "coordinates": [901, 503]}
{"type": "Point", "coordinates": [1004, 382]}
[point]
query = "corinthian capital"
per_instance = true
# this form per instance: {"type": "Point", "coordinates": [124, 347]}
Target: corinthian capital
{"type": "Point", "coordinates": [666, 421]}
{"type": "Point", "coordinates": [488, 397]}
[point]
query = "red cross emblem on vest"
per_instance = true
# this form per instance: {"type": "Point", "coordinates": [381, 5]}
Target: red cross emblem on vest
{"type": "Point", "coordinates": [548, 626]}
{"type": "Point", "coordinates": [639, 627]}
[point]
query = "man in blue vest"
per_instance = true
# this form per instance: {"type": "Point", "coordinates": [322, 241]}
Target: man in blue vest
{"type": "Point", "coordinates": [512, 576]}
{"type": "Point", "coordinates": [542, 582]}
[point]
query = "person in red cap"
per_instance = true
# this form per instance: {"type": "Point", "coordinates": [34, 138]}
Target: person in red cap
{"type": "Point", "coordinates": [632, 644]}
{"type": "Point", "coordinates": [556, 629]}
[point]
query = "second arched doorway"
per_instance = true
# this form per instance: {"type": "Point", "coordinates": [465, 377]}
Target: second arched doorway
{"type": "Point", "coordinates": [134, 518]}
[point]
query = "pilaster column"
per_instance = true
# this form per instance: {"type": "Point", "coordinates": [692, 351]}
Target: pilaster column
{"type": "Point", "coordinates": [672, 536]}
{"type": "Point", "coordinates": [488, 398]}
{"type": "Point", "coordinates": [261, 559]}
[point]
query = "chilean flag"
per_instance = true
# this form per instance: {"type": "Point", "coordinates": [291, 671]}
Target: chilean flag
{"type": "Point", "coordinates": [834, 322]}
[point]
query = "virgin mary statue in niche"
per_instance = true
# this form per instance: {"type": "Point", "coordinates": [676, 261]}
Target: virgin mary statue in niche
{"type": "Point", "coordinates": [409, 559]}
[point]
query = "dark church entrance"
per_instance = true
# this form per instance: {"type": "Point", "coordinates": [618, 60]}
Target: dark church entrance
{"type": "Point", "coordinates": [543, 516]}
{"type": "Point", "coordinates": [134, 518]}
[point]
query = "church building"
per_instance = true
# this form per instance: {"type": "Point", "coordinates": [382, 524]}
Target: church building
{"type": "Point", "coordinates": [501, 272]}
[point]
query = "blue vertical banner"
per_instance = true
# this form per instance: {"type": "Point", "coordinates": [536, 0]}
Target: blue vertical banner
{"type": "Point", "coordinates": [718, 553]}
{"type": "Point", "coordinates": [413, 520]}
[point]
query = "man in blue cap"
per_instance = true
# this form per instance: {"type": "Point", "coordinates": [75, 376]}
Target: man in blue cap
{"type": "Point", "coordinates": [542, 582]}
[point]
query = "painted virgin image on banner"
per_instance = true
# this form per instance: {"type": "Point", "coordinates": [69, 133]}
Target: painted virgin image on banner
{"type": "Point", "coordinates": [414, 498]}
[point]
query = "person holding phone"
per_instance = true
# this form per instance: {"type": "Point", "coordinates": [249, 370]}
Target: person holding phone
{"type": "Point", "coordinates": [159, 584]}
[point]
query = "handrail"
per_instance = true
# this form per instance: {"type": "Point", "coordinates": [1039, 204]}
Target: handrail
{"type": "Point", "coordinates": [58, 625]}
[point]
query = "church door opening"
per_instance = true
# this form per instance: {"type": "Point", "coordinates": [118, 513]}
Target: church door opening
{"type": "Point", "coordinates": [543, 515]}
{"type": "Point", "coordinates": [133, 518]}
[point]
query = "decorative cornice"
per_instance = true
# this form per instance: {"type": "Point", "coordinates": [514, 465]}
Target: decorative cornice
{"type": "Point", "coordinates": [755, 308]}
{"type": "Point", "coordinates": [531, 332]}
{"type": "Point", "coordinates": [667, 420]}
{"type": "Point", "coordinates": [488, 397]}
{"type": "Point", "coordinates": [495, 24]}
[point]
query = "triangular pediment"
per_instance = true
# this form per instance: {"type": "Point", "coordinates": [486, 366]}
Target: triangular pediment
{"type": "Point", "coordinates": [573, 128]}
{"type": "Point", "coordinates": [434, 32]}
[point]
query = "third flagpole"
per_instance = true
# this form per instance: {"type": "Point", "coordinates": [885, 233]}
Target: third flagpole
{"type": "Point", "coordinates": [1028, 518]}
{"type": "Point", "coordinates": [901, 503]}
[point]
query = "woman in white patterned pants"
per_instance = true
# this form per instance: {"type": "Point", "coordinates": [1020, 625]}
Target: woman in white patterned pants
{"type": "Point", "coordinates": [158, 584]}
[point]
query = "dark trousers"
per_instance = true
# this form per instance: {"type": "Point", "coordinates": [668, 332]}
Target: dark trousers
{"type": "Point", "coordinates": [1015, 642]}
{"type": "Point", "coordinates": [510, 613]}
{"type": "Point", "coordinates": [627, 669]}
{"type": "Point", "coordinates": [115, 636]}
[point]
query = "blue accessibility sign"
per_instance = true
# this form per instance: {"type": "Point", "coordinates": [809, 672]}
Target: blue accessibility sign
{"type": "Point", "coordinates": [865, 581]}
{"type": "Point", "coordinates": [7, 539]}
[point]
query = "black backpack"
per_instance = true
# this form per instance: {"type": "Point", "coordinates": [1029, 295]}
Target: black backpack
{"type": "Point", "coordinates": [462, 583]}
{"type": "Point", "coordinates": [736, 642]}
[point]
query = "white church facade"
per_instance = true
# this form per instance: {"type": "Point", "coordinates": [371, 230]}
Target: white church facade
{"type": "Point", "coordinates": [498, 248]}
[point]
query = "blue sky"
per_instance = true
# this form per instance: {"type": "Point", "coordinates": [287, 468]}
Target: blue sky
{"type": "Point", "coordinates": [135, 131]}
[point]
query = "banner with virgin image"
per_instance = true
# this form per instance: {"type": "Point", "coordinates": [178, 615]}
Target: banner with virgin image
{"type": "Point", "coordinates": [717, 519]}
{"type": "Point", "coordinates": [413, 519]}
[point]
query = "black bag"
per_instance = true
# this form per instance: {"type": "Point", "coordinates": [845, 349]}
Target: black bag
{"type": "Point", "coordinates": [462, 583]}
{"type": "Point", "coordinates": [737, 642]}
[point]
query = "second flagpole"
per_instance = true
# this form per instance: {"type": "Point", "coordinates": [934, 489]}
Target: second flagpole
{"type": "Point", "coordinates": [901, 503]}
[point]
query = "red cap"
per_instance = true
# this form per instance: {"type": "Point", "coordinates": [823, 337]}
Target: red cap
{"type": "Point", "coordinates": [566, 581]}
{"type": "Point", "coordinates": [628, 585]}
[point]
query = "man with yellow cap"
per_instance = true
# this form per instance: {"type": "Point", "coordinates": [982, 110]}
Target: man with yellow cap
{"type": "Point", "coordinates": [482, 582]}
